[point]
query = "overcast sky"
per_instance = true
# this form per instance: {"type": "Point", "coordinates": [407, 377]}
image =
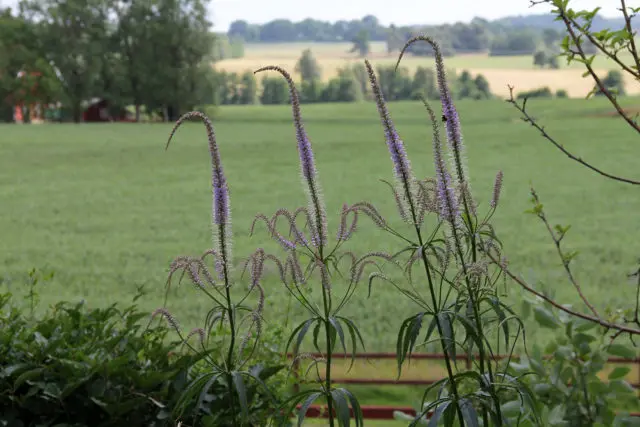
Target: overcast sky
{"type": "Point", "coordinates": [399, 12]}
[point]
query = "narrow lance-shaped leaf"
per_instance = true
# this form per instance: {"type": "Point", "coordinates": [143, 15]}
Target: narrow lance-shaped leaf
{"type": "Point", "coordinates": [447, 332]}
{"type": "Point", "coordinates": [437, 414]}
{"type": "Point", "coordinates": [305, 407]}
{"type": "Point", "coordinates": [341, 407]}
{"type": "Point", "coordinates": [238, 382]}
{"type": "Point", "coordinates": [469, 413]}
{"type": "Point", "coordinates": [338, 328]}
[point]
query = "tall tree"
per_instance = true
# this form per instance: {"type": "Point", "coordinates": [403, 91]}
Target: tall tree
{"type": "Point", "coordinates": [249, 92]}
{"type": "Point", "coordinates": [361, 76]}
{"type": "Point", "coordinates": [424, 84]}
{"type": "Point", "coordinates": [361, 43]}
{"type": "Point", "coordinates": [74, 34]}
{"type": "Point", "coordinates": [132, 40]}
{"type": "Point", "coordinates": [274, 91]}
{"type": "Point", "coordinates": [180, 44]}
{"type": "Point", "coordinates": [540, 58]}
{"type": "Point", "coordinates": [308, 66]}
{"type": "Point", "coordinates": [20, 50]}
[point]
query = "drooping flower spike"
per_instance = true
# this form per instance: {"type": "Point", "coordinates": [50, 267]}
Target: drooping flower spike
{"type": "Point", "coordinates": [221, 209]}
{"type": "Point", "coordinates": [446, 196]}
{"type": "Point", "coordinates": [307, 165]}
{"type": "Point", "coordinates": [401, 164]}
{"type": "Point", "coordinates": [451, 119]}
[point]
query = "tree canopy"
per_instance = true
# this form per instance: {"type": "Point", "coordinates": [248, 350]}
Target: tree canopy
{"type": "Point", "coordinates": [511, 35]}
{"type": "Point", "coordinates": [151, 53]}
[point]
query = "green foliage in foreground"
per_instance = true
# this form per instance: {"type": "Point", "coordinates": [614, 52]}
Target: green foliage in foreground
{"type": "Point", "coordinates": [85, 367]}
{"type": "Point", "coordinates": [567, 377]}
{"type": "Point", "coordinates": [108, 367]}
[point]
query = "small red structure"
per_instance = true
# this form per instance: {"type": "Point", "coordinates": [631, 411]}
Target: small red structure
{"type": "Point", "coordinates": [98, 111]}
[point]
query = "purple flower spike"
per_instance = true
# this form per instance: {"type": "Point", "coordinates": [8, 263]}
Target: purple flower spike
{"type": "Point", "coordinates": [452, 120]}
{"type": "Point", "coordinates": [220, 199]}
{"type": "Point", "coordinates": [447, 199]}
{"type": "Point", "coordinates": [401, 164]}
{"type": "Point", "coordinates": [307, 164]}
{"type": "Point", "coordinates": [221, 206]}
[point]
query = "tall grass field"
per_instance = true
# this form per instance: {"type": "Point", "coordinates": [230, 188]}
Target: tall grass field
{"type": "Point", "coordinates": [107, 209]}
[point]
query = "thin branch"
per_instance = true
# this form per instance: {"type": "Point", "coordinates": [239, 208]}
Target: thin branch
{"type": "Point", "coordinates": [570, 23]}
{"type": "Point", "coordinates": [632, 46]}
{"type": "Point", "coordinates": [602, 48]}
{"type": "Point", "coordinates": [529, 288]}
{"type": "Point", "coordinates": [601, 86]}
{"type": "Point", "coordinates": [528, 119]}
{"type": "Point", "coordinates": [565, 261]}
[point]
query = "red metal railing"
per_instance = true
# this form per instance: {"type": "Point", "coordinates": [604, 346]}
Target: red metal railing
{"type": "Point", "coordinates": [384, 412]}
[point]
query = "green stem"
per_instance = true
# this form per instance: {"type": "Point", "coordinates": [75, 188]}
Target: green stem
{"type": "Point", "coordinates": [229, 362]}
{"type": "Point", "coordinates": [230, 355]}
{"type": "Point", "coordinates": [327, 376]}
{"type": "Point", "coordinates": [476, 313]}
{"type": "Point", "coordinates": [447, 361]}
{"type": "Point", "coordinates": [434, 299]}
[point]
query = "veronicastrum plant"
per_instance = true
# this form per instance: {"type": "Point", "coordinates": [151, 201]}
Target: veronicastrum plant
{"type": "Point", "coordinates": [456, 289]}
{"type": "Point", "coordinates": [321, 277]}
{"type": "Point", "coordinates": [230, 368]}
{"type": "Point", "coordinates": [457, 252]}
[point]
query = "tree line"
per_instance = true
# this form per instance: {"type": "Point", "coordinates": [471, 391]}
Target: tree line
{"type": "Point", "coordinates": [154, 54]}
{"type": "Point", "coordinates": [500, 37]}
{"type": "Point", "coordinates": [351, 84]}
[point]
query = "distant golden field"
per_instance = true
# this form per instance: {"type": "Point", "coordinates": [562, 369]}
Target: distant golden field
{"type": "Point", "coordinates": [500, 71]}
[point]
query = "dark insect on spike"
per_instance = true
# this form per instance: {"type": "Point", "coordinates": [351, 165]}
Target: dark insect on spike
{"type": "Point", "coordinates": [444, 118]}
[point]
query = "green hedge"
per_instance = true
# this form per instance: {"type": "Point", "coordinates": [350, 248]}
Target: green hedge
{"type": "Point", "coordinates": [83, 367]}
{"type": "Point", "coordinates": [103, 367]}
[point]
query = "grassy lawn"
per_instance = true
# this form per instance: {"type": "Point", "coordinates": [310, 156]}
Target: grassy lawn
{"type": "Point", "coordinates": [107, 209]}
{"type": "Point", "coordinates": [499, 70]}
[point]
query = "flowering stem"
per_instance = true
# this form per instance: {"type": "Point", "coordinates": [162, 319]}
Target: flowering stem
{"type": "Point", "coordinates": [230, 356]}
{"type": "Point", "coordinates": [327, 378]}
{"type": "Point", "coordinates": [232, 327]}
{"type": "Point", "coordinates": [477, 318]}
{"type": "Point", "coordinates": [436, 306]}
{"type": "Point", "coordinates": [434, 299]}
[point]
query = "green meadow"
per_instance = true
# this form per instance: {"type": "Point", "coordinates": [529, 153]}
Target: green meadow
{"type": "Point", "coordinates": [107, 209]}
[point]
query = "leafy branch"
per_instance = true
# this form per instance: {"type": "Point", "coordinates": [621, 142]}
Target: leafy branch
{"type": "Point", "coordinates": [557, 235]}
{"type": "Point", "coordinates": [618, 40]}
{"type": "Point", "coordinates": [610, 43]}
